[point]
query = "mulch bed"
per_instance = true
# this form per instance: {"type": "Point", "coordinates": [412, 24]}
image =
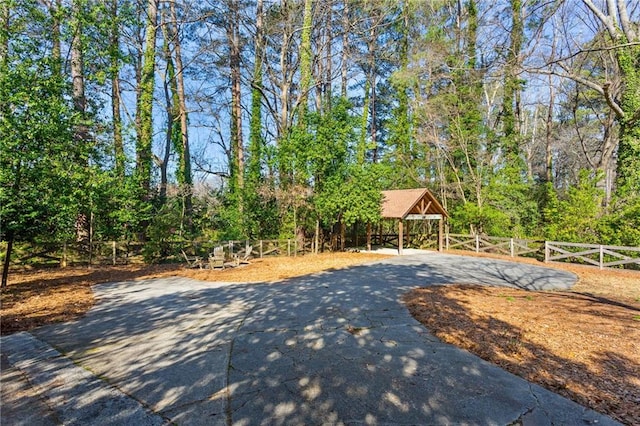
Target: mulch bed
{"type": "Point", "coordinates": [583, 344]}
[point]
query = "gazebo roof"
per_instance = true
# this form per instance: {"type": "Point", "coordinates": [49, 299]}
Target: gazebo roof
{"type": "Point", "coordinates": [399, 203]}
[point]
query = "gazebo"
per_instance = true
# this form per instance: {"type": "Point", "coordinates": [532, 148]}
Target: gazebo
{"type": "Point", "coordinates": [413, 204]}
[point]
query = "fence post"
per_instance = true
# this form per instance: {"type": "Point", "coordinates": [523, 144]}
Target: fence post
{"type": "Point", "coordinates": [477, 243]}
{"type": "Point", "coordinates": [511, 248]}
{"type": "Point", "coordinates": [546, 251]}
{"type": "Point", "coordinates": [63, 263]}
{"type": "Point", "coordinates": [601, 257]}
{"type": "Point", "coordinates": [260, 249]}
{"type": "Point", "coordinates": [113, 250]}
{"type": "Point", "coordinates": [295, 248]}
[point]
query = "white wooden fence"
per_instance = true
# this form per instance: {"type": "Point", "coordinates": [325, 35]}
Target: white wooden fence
{"type": "Point", "coordinates": [593, 254]}
{"type": "Point", "coordinates": [599, 255]}
{"type": "Point", "coordinates": [498, 245]}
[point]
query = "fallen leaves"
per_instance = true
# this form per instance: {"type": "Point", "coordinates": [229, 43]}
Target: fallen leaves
{"type": "Point", "coordinates": [46, 296]}
{"type": "Point", "coordinates": [583, 344]}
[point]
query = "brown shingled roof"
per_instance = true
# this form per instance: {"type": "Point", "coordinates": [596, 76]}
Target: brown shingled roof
{"type": "Point", "coordinates": [398, 203]}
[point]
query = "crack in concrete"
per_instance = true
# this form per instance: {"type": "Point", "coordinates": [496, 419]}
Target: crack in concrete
{"type": "Point", "coordinates": [520, 419]}
{"type": "Point", "coordinates": [538, 402]}
{"type": "Point", "coordinates": [227, 387]}
{"type": "Point", "coordinates": [74, 374]}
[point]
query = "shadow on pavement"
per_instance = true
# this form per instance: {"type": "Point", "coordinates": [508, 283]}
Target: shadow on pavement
{"type": "Point", "coordinates": [335, 347]}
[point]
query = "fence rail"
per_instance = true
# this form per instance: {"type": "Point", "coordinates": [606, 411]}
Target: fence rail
{"type": "Point", "coordinates": [598, 255]}
{"type": "Point", "coordinates": [497, 245]}
{"type": "Point", "coordinates": [602, 256]}
{"type": "Point", "coordinates": [127, 252]}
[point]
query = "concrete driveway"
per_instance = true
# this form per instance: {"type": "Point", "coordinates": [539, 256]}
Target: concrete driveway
{"type": "Point", "coordinates": [331, 348]}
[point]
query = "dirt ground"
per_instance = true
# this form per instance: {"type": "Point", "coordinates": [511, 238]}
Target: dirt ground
{"type": "Point", "coordinates": [45, 296]}
{"type": "Point", "coordinates": [583, 344]}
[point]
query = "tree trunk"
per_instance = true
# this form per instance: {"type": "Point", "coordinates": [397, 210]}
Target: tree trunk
{"type": "Point", "coordinates": [624, 35]}
{"type": "Point", "coordinates": [169, 96]}
{"type": "Point", "coordinates": [400, 130]}
{"type": "Point", "coordinates": [256, 143]}
{"type": "Point", "coordinates": [114, 52]}
{"type": "Point", "coordinates": [7, 258]}
{"type": "Point", "coordinates": [609, 144]}
{"type": "Point", "coordinates": [549, 134]}
{"type": "Point", "coordinates": [145, 102]}
{"type": "Point", "coordinates": [372, 82]}
{"type": "Point", "coordinates": [628, 171]}
{"type": "Point", "coordinates": [237, 167]}
{"type": "Point", "coordinates": [77, 66]}
{"type": "Point", "coordinates": [328, 58]}
{"type": "Point", "coordinates": [185, 179]}
{"type": "Point", "coordinates": [81, 132]}
{"type": "Point", "coordinates": [56, 49]}
{"type": "Point", "coordinates": [512, 87]}
{"type": "Point", "coordinates": [286, 72]}
{"type": "Point", "coordinates": [4, 33]}
{"type": "Point", "coordinates": [306, 60]}
{"type": "Point", "coordinates": [346, 27]}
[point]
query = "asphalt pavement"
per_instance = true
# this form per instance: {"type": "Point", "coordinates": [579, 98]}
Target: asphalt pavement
{"type": "Point", "coordinates": [336, 347]}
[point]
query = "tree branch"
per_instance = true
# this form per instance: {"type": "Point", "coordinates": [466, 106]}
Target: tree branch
{"type": "Point", "coordinates": [599, 49]}
{"type": "Point", "coordinates": [606, 20]}
{"type": "Point", "coordinates": [603, 90]}
{"type": "Point", "coordinates": [611, 102]}
{"type": "Point", "coordinates": [625, 22]}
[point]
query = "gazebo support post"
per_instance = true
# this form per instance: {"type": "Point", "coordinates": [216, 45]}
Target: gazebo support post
{"type": "Point", "coordinates": [440, 233]}
{"type": "Point", "coordinates": [400, 237]}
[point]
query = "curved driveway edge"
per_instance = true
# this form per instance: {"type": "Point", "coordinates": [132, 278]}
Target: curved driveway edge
{"type": "Point", "coordinates": [330, 348]}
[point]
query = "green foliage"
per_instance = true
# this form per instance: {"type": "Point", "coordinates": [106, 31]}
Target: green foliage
{"type": "Point", "coordinates": [261, 217]}
{"type": "Point", "coordinates": [354, 197]}
{"type": "Point", "coordinates": [162, 229]}
{"type": "Point", "coordinates": [628, 178]}
{"type": "Point", "coordinates": [507, 208]}
{"type": "Point", "coordinates": [120, 212]}
{"type": "Point", "coordinates": [510, 193]}
{"type": "Point", "coordinates": [227, 220]}
{"type": "Point", "coordinates": [622, 225]}
{"type": "Point", "coordinates": [41, 167]}
{"type": "Point", "coordinates": [574, 216]}
{"type": "Point", "coordinates": [487, 220]}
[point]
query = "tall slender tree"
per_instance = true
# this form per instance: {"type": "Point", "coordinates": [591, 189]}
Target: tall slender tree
{"type": "Point", "coordinates": [114, 72]}
{"type": "Point", "coordinates": [256, 140]}
{"type": "Point", "coordinates": [145, 101]}
{"type": "Point", "coordinates": [513, 86]}
{"type": "Point", "coordinates": [237, 147]}
{"type": "Point", "coordinates": [184, 174]}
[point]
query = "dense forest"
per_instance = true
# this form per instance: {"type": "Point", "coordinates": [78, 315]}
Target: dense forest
{"type": "Point", "coordinates": [226, 119]}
